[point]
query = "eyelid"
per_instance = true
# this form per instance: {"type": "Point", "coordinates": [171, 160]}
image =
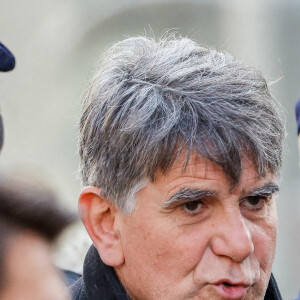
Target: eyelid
{"type": "Point", "coordinates": [181, 202]}
{"type": "Point", "coordinates": [267, 191]}
{"type": "Point", "coordinates": [187, 195]}
{"type": "Point", "coordinates": [261, 196]}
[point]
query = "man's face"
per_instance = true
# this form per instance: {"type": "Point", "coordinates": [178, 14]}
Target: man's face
{"type": "Point", "coordinates": [194, 237]}
{"type": "Point", "coordinates": [28, 270]}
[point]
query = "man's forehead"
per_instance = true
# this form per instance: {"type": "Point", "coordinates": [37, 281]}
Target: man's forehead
{"type": "Point", "coordinates": [201, 173]}
{"type": "Point", "coordinates": [197, 164]}
{"type": "Point", "coordinates": [200, 169]}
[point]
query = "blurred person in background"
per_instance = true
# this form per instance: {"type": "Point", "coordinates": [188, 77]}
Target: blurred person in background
{"type": "Point", "coordinates": [181, 149]}
{"type": "Point", "coordinates": [30, 221]}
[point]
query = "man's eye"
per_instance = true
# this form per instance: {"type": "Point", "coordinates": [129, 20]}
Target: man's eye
{"type": "Point", "coordinates": [256, 201]}
{"type": "Point", "coordinates": [192, 207]}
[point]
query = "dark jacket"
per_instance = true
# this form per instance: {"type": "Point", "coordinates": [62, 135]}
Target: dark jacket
{"type": "Point", "coordinates": [100, 281]}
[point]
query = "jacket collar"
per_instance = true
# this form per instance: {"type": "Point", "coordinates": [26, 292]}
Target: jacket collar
{"type": "Point", "coordinates": [99, 281]}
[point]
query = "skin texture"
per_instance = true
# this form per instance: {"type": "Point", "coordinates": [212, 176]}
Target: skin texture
{"type": "Point", "coordinates": [29, 272]}
{"type": "Point", "coordinates": [184, 250]}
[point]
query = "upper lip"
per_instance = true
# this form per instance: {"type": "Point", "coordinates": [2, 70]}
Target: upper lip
{"type": "Point", "coordinates": [231, 282]}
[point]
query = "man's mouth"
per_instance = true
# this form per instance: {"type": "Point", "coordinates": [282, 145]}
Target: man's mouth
{"type": "Point", "coordinates": [231, 290]}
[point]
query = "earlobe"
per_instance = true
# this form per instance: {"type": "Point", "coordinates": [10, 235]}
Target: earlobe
{"type": "Point", "coordinates": [98, 216]}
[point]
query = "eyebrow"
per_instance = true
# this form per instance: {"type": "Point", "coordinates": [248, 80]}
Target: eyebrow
{"type": "Point", "coordinates": [187, 194]}
{"type": "Point", "coordinates": [190, 194]}
{"type": "Point", "coordinates": [268, 189]}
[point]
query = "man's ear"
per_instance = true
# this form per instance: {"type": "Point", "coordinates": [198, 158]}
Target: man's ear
{"type": "Point", "coordinates": [98, 216]}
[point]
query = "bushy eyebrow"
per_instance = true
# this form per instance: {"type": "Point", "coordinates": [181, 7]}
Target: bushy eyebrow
{"type": "Point", "coordinates": [187, 194]}
{"type": "Point", "coordinates": [268, 189]}
{"type": "Point", "coordinates": [192, 194]}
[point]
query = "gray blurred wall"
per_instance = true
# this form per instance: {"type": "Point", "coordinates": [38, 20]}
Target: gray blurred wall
{"type": "Point", "coordinates": [57, 42]}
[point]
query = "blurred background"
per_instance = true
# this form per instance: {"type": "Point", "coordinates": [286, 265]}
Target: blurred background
{"type": "Point", "coordinates": [58, 42]}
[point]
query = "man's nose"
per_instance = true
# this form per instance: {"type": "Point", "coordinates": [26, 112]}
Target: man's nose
{"type": "Point", "coordinates": [232, 237]}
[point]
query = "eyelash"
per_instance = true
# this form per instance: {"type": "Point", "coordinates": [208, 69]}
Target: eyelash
{"type": "Point", "coordinates": [191, 213]}
{"type": "Point", "coordinates": [262, 200]}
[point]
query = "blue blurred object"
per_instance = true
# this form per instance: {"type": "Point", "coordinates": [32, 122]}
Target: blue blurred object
{"type": "Point", "coordinates": [297, 110]}
{"type": "Point", "coordinates": [7, 59]}
{"type": "Point", "coordinates": [298, 297]}
{"type": "Point", "coordinates": [70, 277]}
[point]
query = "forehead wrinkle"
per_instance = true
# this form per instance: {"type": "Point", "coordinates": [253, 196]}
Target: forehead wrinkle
{"type": "Point", "coordinates": [203, 170]}
{"type": "Point", "coordinates": [195, 161]}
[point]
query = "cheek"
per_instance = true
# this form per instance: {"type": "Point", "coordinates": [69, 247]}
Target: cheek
{"type": "Point", "coordinates": [264, 239]}
{"type": "Point", "coordinates": [162, 248]}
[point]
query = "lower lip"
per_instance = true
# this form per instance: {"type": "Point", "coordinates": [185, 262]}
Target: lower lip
{"type": "Point", "coordinates": [232, 292]}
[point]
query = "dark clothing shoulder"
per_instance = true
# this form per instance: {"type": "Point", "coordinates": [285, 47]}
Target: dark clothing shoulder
{"type": "Point", "coordinates": [272, 292]}
{"type": "Point", "coordinates": [100, 281]}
